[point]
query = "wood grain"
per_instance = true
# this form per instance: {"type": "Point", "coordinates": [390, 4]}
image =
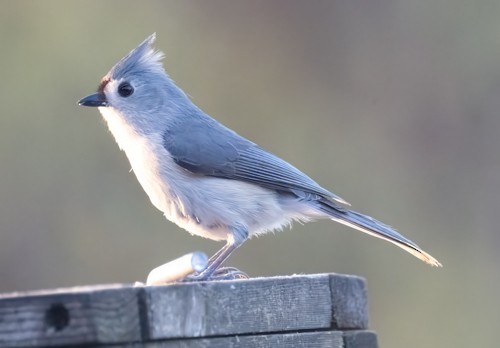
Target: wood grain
{"type": "Point", "coordinates": [324, 310]}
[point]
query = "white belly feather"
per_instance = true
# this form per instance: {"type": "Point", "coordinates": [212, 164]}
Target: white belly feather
{"type": "Point", "coordinates": [205, 206]}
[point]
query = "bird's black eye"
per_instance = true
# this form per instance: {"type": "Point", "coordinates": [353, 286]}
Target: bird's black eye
{"type": "Point", "coordinates": [125, 89]}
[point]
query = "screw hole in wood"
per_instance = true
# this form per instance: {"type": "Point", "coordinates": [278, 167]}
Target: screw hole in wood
{"type": "Point", "coordinates": [57, 317]}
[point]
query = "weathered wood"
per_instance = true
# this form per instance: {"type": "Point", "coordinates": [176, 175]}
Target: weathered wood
{"type": "Point", "coordinates": [69, 316]}
{"type": "Point", "coordinates": [291, 311]}
{"type": "Point", "coordinates": [239, 307]}
{"type": "Point", "coordinates": [360, 339]}
{"type": "Point", "coordinates": [326, 339]}
{"type": "Point", "coordinates": [225, 308]}
{"type": "Point", "coordinates": [349, 301]}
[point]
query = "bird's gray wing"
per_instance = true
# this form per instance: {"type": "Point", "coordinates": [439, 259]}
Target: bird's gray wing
{"type": "Point", "coordinates": [205, 147]}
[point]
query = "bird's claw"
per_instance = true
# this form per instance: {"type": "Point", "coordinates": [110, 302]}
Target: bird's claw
{"type": "Point", "coordinates": [223, 273]}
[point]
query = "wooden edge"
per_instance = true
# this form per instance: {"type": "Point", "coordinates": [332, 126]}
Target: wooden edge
{"type": "Point", "coordinates": [322, 339]}
{"type": "Point", "coordinates": [110, 314]}
{"type": "Point", "coordinates": [349, 302]}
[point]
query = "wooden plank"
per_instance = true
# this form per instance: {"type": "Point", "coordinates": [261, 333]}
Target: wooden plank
{"type": "Point", "coordinates": [349, 302]}
{"type": "Point", "coordinates": [117, 314]}
{"type": "Point", "coordinates": [360, 339]}
{"type": "Point", "coordinates": [239, 307]}
{"type": "Point", "coordinates": [325, 339]}
{"type": "Point", "coordinates": [71, 316]}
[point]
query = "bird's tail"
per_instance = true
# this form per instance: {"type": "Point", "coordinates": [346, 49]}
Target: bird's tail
{"type": "Point", "coordinates": [375, 228]}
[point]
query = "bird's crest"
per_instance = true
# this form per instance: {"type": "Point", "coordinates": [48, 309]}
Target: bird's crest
{"type": "Point", "coordinates": [142, 58]}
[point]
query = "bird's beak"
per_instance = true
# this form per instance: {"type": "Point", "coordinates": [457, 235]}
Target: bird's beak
{"type": "Point", "coordinates": [96, 99]}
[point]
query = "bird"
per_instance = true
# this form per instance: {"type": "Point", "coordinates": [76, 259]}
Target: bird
{"type": "Point", "coordinates": [205, 177]}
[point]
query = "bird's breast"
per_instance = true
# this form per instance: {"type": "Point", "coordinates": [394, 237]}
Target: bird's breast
{"type": "Point", "coordinates": [146, 155]}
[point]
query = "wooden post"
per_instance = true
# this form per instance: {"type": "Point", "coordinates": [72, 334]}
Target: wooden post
{"type": "Point", "coordinates": [325, 310]}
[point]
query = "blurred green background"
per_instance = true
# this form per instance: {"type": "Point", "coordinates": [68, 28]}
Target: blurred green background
{"type": "Point", "coordinates": [393, 105]}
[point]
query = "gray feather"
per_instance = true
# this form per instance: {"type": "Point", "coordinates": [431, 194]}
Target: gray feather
{"type": "Point", "coordinates": [205, 147]}
{"type": "Point", "coordinates": [375, 228]}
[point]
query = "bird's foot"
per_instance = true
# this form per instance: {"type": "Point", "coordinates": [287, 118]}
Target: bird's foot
{"type": "Point", "coordinates": [223, 273]}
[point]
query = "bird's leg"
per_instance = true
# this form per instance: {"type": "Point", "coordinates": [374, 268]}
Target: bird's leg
{"type": "Point", "coordinates": [235, 240]}
{"type": "Point", "coordinates": [218, 253]}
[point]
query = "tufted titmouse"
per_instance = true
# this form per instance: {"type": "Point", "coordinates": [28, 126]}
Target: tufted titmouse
{"type": "Point", "coordinates": [205, 177]}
